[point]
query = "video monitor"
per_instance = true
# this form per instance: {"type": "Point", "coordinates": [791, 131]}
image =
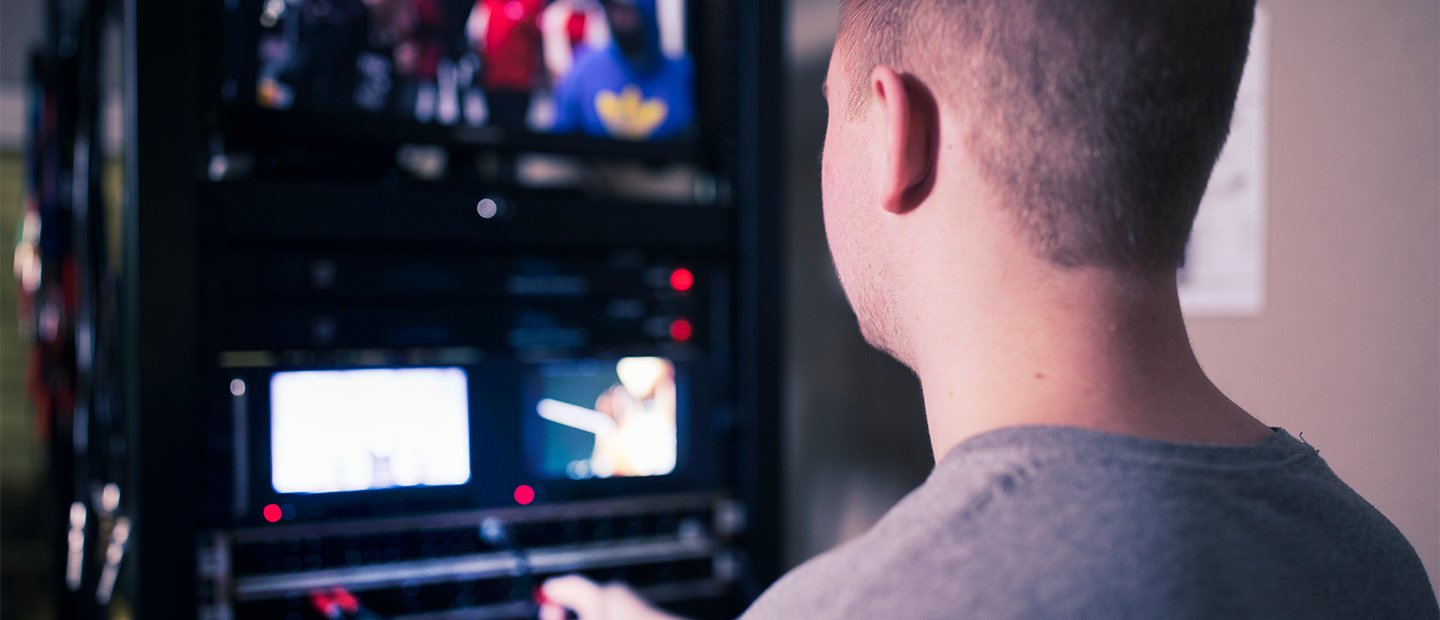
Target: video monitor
{"type": "Point", "coordinates": [360, 430]}
{"type": "Point", "coordinates": [602, 419]}
{"type": "Point", "coordinates": [611, 69]}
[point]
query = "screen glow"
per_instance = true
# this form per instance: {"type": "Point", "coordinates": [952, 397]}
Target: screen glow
{"type": "Point", "coordinates": [619, 70]}
{"type": "Point", "coordinates": [599, 419]}
{"type": "Point", "coordinates": [356, 430]}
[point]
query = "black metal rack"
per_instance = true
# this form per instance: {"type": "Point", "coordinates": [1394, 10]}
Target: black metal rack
{"type": "Point", "coordinates": [183, 225]}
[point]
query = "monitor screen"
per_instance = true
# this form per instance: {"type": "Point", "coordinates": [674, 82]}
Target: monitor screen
{"type": "Point", "coordinates": [357, 430]}
{"type": "Point", "coordinates": [602, 419]}
{"type": "Point", "coordinates": [613, 69]}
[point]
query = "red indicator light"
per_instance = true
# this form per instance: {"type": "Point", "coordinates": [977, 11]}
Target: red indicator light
{"type": "Point", "coordinates": [272, 513]}
{"type": "Point", "coordinates": [681, 330]}
{"type": "Point", "coordinates": [682, 280]}
{"type": "Point", "coordinates": [524, 495]}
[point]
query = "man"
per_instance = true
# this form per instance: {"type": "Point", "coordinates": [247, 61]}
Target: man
{"type": "Point", "coordinates": [1009, 185]}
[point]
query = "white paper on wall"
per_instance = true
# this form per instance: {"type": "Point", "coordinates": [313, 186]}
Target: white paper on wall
{"type": "Point", "coordinates": [1224, 273]}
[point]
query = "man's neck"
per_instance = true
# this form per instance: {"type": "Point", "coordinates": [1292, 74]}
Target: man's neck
{"type": "Point", "coordinates": [1087, 348]}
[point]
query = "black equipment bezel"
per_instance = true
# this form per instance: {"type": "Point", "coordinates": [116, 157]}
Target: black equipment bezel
{"type": "Point", "coordinates": [498, 462]}
{"type": "Point", "coordinates": [242, 124]}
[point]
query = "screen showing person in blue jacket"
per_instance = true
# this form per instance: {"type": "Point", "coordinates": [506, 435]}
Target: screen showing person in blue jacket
{"type": "Point", "coordinates": [638, 87]}
{"type": "Point", "coordinates": [616, 69]}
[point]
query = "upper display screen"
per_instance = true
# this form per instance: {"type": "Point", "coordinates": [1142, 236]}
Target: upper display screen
{"type": "Point", "coordinates": [359, 430]}
{"type": "Point", "coordinates": [614, 69]}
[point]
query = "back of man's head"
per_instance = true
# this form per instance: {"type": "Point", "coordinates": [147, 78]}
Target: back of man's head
{"type": "Point", "coordinates": [1095, 122]}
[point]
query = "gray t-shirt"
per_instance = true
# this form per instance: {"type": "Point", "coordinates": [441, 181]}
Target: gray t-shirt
{"type": "Point", "coordinates": [1051, 522]}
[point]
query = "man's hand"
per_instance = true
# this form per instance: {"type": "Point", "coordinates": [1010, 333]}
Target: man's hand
{"type": "Point", "coordinates": [592, 601]}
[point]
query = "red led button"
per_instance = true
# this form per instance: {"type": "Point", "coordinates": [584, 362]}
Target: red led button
{"type": "Point", "coordinates": [681, 330]}
{"type": "Point", "coordinates": [524, 495]}
{"type": "Point", "coordinates": [682, 280]}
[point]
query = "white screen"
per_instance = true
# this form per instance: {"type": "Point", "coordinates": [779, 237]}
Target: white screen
{"type": "Point", "coordinates": [355, 430]}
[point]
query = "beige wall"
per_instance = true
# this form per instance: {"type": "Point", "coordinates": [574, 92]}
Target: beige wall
{"type": "Point", "coordinates": [1347, 349]}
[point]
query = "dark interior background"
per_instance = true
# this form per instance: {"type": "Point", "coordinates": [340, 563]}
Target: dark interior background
{"type": "Point", "coordinates": [1346, 350]}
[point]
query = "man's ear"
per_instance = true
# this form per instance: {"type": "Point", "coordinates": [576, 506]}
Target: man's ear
{"type": "Point", "coordinates": [909, 119]}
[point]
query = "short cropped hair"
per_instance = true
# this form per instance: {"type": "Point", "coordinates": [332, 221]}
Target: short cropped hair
{"type": "Point", "coordinates": [1096, 122]}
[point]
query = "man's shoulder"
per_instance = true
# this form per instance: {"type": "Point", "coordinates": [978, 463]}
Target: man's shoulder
{"type": "Point", "coordinates": [1026, 527]}
{"type": "Point", "coordinates": [925, 540]}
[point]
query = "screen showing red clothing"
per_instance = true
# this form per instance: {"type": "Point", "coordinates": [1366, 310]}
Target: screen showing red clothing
{"type": "Point", "coordinates": [511, 48]}
{"type": "Point", "coordinates": [575, 28]}
{"type": "Point", "coordinates": [609, 69]}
